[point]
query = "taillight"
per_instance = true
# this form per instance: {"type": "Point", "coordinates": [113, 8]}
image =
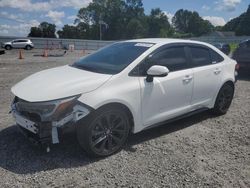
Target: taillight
{"type": "Point", "coordinates": [237, 67]}
{"type": "Point", "coordinates": [236, 72]}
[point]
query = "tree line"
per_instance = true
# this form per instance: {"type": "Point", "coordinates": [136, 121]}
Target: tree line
{"type": "Point", "coordinates": [126, 19]}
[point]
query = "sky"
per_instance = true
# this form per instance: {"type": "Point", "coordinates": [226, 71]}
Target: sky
{"type": "Point", "coordinates": [17, 16]}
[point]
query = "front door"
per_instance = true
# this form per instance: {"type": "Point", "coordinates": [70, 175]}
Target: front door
{"type": "Point", "coordinates": [170, 96]}
{"type": "Point", "coordinates": [16, 43]}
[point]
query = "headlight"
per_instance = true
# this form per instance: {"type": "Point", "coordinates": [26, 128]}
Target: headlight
{"type": "Point", "coordinates": [46, 108]}
{"type": "Point", "coordinates": [64, 106]}
{"type": "Point", "coordinates": [62, 109]}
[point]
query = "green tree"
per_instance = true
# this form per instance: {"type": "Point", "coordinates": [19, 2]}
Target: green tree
{"type": "Point", "coordinates": [35, 32]}
{"type": "Point", "coordinates": [244, 25]}
{"type": "Point", "coordinates": [116, 15]}
{"type": "Point", "coordinates": [135, 29]}
{"type": "Point", "coordinates": [190, 22]}
{"type": "Point", "coordinates": [233, 24]}
{"type": "Point", "coordinates": [68, 32]}
{"type": "Point", "coordinates": [45, 29]}
{"type": "Point", "coordinates": [158, 25]}
{"type": "Point", "coordinates": [240, 25]}
{"type": "Point", "coordinates": [48, 30]}
{"type": "Point", "coordinates": [74, 32]}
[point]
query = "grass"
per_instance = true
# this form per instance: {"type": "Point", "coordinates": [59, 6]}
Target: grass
{"type": "Point", "coordinates": [233, 46]}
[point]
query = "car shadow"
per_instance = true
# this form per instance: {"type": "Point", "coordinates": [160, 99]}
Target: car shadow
{"type": "Point", "coordinates": [167, 128]}
{"type": "Point", "coordinates": [19, 156]}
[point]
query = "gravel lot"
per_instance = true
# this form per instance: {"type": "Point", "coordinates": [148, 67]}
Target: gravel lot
{"type": "Point", "coordinates": [199, 151]}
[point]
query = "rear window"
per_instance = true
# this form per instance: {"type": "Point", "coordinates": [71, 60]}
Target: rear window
{"type": "Point", "coordinates": [245, 44]}
{"type": "Point", "coordinates": [200, 56]}
{"type": "Point", "coordinates": [216, 58]}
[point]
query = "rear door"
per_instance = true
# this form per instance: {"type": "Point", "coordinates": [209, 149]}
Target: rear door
{"type": "Point", "coordinates": [207, 75]}
{"type": "Point", "coordinates": [22, 43]}
{"type": "Point", "coordinates": [15, 43]}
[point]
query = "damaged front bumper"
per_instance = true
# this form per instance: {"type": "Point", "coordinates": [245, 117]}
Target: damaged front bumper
{"type": "Point", "coordinates": [42, 122]}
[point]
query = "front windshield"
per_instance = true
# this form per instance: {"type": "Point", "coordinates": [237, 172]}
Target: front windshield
{"type": "Point", "coordinates": [112, 59]}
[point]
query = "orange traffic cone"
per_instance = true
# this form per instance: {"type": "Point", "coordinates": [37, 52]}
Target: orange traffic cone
{"type": "Point", "coordinates": [45, 53]}
{"type": "Point", "coordinates": [21, 54]}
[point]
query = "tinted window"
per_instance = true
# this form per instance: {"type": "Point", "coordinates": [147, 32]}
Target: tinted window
{"type": "Point", "coordinates": [17, 41]}
{"type": "Point", "coordinates": [173, 58]}
{"type": "Point", "coordinates": [245, 44]}
{"type": "Point", "coordinates": [216, 58]}
{"type": "Point", "coordinates": [248, 44]}
{"type": "Point", "coordinates": [112, 59]}
{"type": "Point", "coordinates": [200, 56]}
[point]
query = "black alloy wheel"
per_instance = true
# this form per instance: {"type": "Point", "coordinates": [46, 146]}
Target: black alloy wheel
{"type": "Point", "coordinates": [105, 133]}
{"type": "Point", "coordinates": [8, 47]}
{"type": "Point", "coordinates": [28, 47]}
{"type": "Point", "coordinates": [224, 99]}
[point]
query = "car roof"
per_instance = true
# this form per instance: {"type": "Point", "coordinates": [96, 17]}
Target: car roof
{"type": "Point", "coordinates": [247, 40]}
{"type": "Point", "coordinates": [166, 41]}
{"type": "Point", "coordinates": [163, 41]}
{"type": "Point", "coordinates": [21, 39]}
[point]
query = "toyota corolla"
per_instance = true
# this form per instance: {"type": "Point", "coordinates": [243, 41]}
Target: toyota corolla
{"type": "Point", "coordinates": [124, 88]}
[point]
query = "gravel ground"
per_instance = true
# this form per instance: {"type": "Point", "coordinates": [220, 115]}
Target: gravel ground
{"type": "Point", "coordinates": [199, 151]}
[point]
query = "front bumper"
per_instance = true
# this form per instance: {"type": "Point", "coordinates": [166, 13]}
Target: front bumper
{"type": "Point", "coordinates": [37, 132]}
{"type": "Point", "coordinates": [48, 130]}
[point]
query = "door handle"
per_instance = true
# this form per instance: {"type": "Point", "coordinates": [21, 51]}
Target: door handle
{"type": "Point", "coordinates": [187, 78]}
{"type": "Point", "coordinates": [217, 71]}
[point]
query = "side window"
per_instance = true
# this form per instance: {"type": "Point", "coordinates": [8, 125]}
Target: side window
{"type": "Point", "coordinates": [216, 58]}
{"type": "Point", "coordinates": [200, 56]}
{"type": "Point", "coordinates": [17, 41]}
{"type": "Point", "coordinates": [173, 58]}
{"type": "Point", "coordinates": [245, 44]}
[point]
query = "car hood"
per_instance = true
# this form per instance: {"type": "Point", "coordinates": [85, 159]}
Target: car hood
{"type": "Point", "coordinates": [7, 43]}
{"type": "Point", "coordinates": [58, 83]}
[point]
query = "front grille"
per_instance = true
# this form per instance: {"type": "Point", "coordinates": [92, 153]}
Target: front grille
{"type": "Point", "coordinates": [31, 116]}
{"type": "Point", "coordinates": [33, 110]}
{"type": "Point", "coordinates": [43, 135]}
{"type": "Point", "coordinates": [20, 107]}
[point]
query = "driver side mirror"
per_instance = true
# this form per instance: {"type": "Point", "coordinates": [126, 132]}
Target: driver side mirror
{"type": "Point", "coordinates": [156, 71]}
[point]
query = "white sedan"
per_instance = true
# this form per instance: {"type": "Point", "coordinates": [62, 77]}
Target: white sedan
{"type": "Point", "coordinates": [126, 87]}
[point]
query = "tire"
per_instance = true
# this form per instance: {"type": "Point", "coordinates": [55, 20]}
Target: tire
{"type": "Point", "coordinates": [28, 47]}
{"type": "Point", "coordinates": [104, 132]}
{"type": "Point", "coordinates": [8, 47]}
{"type": "Point", "coordinates": [224, 99]}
